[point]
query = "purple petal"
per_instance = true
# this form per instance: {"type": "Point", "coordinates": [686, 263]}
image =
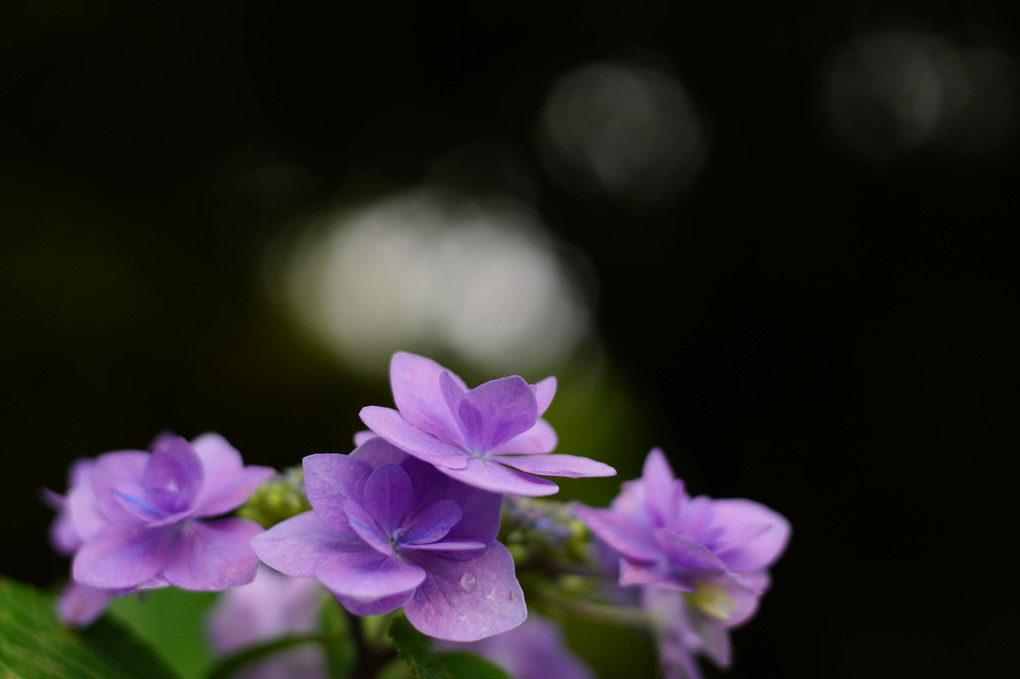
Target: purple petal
{"type": "Point", "coordinates": [480, 508]}
{"type": "Point", "coordinates": [415, 381]}
{"type": "Point", "coordinates": [388, 424]}
{"type": "Point", "coordinates": [433, 523]}
{"type": "Point", "coordinates": [375, 452]}
{"type": "Point", "coordinates": [367, 528]}
{"type": "Point", "coordinates": [293, 546]}
{"type": "Point", "coordinates": [544, 392]}
{"type": "Point", "coordinates": [366, 576]}
{"type": "Point", "coordinates": [230, 497]}
{"type": "Point", "coordinates": [494, 477]}
{"type": "Point", "coordinates": [455, 549]}
{"type": "Point", "coordinates": [556, 465]}
{"type": "Point", "coordinates": [467, 600]}
{"type": "Point", "coordinates": [634, 573]}
{"type": "Point", "coordinates": [84, 512]}
{"type": "Point", "coordinates": [388, 495]}
{"type": "Point", "coordinates": [80, 604]}
{"type": "Point", "coordinates": [755, 535]}
{"type": "Point", "coordinates": [496, 412]}
{"type": "Point", "coordinates": [538, 440]}
{"type": "Point", "coordinates": [330, 479]}
{"type": "Point", "coordinates": [687, 555]}
{"type": "Point", "coordinates": [113, 471]}
{"type": "Point", "coordinates": [123, 556]}
{"type": "Point", "coordinates": [375, 606]}
{"type": "Point", "coordinates": [213, 555]}
{"type": "Point", "coordinates": [173, 476]}
{"type": "Point", "coordinates": [227, 482]}
{"type": "Point", "coordinates": [661, 488]}
{"type": "Point", "coordinates": [631, 540]}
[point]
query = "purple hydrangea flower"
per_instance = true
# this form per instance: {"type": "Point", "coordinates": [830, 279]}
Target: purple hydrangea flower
{"type": "Point", "coordinates": [146, 519]}
{"type": "Point", "coordinates": [491, 437]}
{"type": "Point", "coordinates": [387, 530]}
{"type": "Point", "coordinates": [270, 607]}
{"type": "Point", "coordinates": [714, 554]}
{"type": "Point", "coordinates": [535, 650]}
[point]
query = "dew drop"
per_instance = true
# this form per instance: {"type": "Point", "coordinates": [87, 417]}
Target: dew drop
{"type": "Point", "coordinates": [468, 581]}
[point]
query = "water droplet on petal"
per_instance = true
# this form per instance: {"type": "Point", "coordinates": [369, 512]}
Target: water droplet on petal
{"type": "Point", "coordinates": [468, 581]}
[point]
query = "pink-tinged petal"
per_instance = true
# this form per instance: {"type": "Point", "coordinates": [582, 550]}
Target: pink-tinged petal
{"type": "Point", "coordinates": [544, 392]}
{"type": "Point", "coordinates": [755, 535]}
{"type": "Point", "coordinates": [467, 600]}
{"type": "Point", "coordinates": [497, 411]}
{"type": "Point", "coordinates": [295, 545]}
{"type": "Point", "coordinates": [362, 437]}
{"type": "Point", "coordinates": [173, 476]}
{"type": "Point", "coordinates": [330, 479]}
{"type": "Point", "coordinates": [747, 605]}
{"type": "Point", "coordinates": [685, 554]}
{"type": "Point", "coordinates": [376, 606]}
{"type": "Point", "coordinates": [388, 424]}
{"type": "Point", "coordinates": [113, 471]}
{"type": "Point", "coordinates": [220, 465]}
{"type": "Point", "coordinates": [213, 555]}
{"type": "Point", "coordinates": [415, 381]}
{"type": "Point", "coordinates": [367, 576]}
{"type": "Point", "coordinates": [230, 497]}
{"type": "Point", "coordinates": [84, 512]}
{"type": "Point", "coordinates": [388, 494]}
{"type": "Point", "coordinates": [80, 604]}
{"type": "Point", "coordinates": [716, 639]}
{"type": "Point", "coordinates": [662, 491]}
{"type": "Point", "coordinates": [496, 478]}
{"type": "Point", "coordinates": [367, 528]}
{"type": "Point", "coordinates": [556, 465]}
{"type": "Point", "coordinates": [628, 538]}
{"type": "Point", "coordinates": [433, 523]}
{"type": "Point", "coordinates": [538, 440]}
{"type": "Point", "coordinates": [123, 556]}
{"type": "Point", "coordinates": [634, 573]}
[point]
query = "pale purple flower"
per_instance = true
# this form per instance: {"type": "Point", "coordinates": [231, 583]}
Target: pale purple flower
{"type": "Point", "coordinates": [271, 607]}
{"type": "Point", "coordinates": [387, 530]}
{"type": "Point", "coordinates": [534, 650]}
{"type": "Point", "coordinates": [491, 437]}
{"type": "Point", "coordinates": [147, 519]}
{"type": "Point", "coordinates": [703, 562]}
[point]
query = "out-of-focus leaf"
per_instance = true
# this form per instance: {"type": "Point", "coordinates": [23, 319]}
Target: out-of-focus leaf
{"type": "Point", "coordinates": [173, 621]}
{"type": "Point", "coordinates": [36, 644]}
{"type": "Point", "coordinates": [413, 648]}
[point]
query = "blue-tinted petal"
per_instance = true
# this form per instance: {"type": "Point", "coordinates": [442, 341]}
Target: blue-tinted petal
{"type": "Point", "coordinates": [213, 555]}
{"type": "Point", "coordinates": [329, 480]}
{"type": "Point", "coordinates": [389, 424]}
{"type": "Point", "coordinates": [388, 496]}
{"type": "Point", "coordinates": [367, 576]}
{"type": "Point", "coordinates": [497, 411]}
{"type": "Point", "coordinates": [432, 523]}
{"type": "Point", "coordinates": [173, 476]}
{"type": "Point", "coordinates": [419, 397]}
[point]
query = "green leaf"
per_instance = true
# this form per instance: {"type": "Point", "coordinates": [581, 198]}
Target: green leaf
{"type": "Point", "coordinates": [36, 644]}
{"type": "Point", "coordinates": [413, 648]}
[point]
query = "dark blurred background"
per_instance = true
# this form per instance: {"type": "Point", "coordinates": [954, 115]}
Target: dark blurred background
{"type": "Point", "coordinates": [769, 239]}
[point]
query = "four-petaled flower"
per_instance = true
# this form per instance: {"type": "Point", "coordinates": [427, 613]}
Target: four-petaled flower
{"type": "Point", "coordinates": [490, 437]}
{"type": "Point", "coordinates": [387, 530]}
{"type": "Point", "coordinates": [146, 519]}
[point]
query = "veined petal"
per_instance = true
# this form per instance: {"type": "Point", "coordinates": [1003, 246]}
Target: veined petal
{"type": "Point", "coordinates": [467, 600]}
{"type": "Point", "coordinates": [375, 452]}
{"type": "Point", "coordinates": [494, 477]}
{"type": "Point", "coordinates": [389, 424]}
{"type": "Point", "coordinates": [755, 535]}
{"type": "Point", "coordinates": [497, 411]}
{"type": "Point", "coordinates": [538, 440]}
{"type": "Point", "coordinates": [331, 478]}
{"type": "Point", "coordinates": [367, 528]}
{"type": "Point", "coordinates": [173, 476]}
{"type": "Point", "coordinates": [110, 472]}
{"type": "Point", "coordinates": [419, 397]}
{"type": "Point", "coordinates": [685, 554]}
{"type": "Point", "coordinates": [631, 540]}
{"type": "Point", "coordinates": [388, 494]}
{"type": "Point", "coordinates": [454, 549]}
{"type": "Point", "coordinates": [213, 555]}
{"type": "Point", "coordinates": [295, 545]}
{"type": "Point", "coordinates": [375, 606]}
{"type": "Point", "coordinates": [228, 497]}
{"type": "Point", "coordinates": [432, 523]}
{"type": "Point", "coordinates": [481, 508]}
{"type": "Point", "coordinates": [123, 556]}
{"type": "Point", "coordinates": [366, 576]}
{"type": "Point", "coordinates": [556, 465]}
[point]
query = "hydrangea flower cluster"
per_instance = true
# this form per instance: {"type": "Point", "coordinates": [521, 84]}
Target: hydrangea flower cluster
{"type": "Point", "coordinates": [139, 520]}
{"type": "Point", "coordinates": [716, 553]}
{"type": "Point", "coordinates": [410, 519]}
